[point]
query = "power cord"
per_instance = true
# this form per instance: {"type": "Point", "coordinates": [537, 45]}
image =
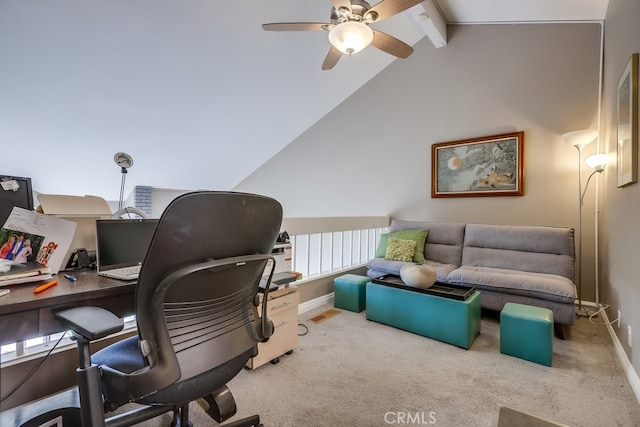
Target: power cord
{"type": "Point", "coordinates": [306, 329]}
{"type": "Point", "coordinates": [33, 371]}
{"type": "Point", "coordinates": [584, 312]}
{"type": "Point", "coordinates": [601, 310]}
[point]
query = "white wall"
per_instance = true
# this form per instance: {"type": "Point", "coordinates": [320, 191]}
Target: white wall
{"type": "Point", "coordinates": [372, 154]}
{"type": "Point", "coordinates": [188, 88]}
{"type": "Point", "coordinates": [160, 199]}
{"type": "Point", "coordinates": [620, 206]}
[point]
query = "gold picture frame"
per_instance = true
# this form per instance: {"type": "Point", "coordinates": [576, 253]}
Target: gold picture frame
{"type": "Point", "coordinates": [627, 123]}
{"type": "Point", "coordinates": [479, 167]}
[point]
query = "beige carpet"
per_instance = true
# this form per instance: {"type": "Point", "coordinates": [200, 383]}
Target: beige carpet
{"type": "Point", "coordinates": [348, 371]}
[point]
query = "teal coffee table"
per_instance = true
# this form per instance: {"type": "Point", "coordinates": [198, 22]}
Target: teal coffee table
{"type": "Point", "coordinates": [450, 319]}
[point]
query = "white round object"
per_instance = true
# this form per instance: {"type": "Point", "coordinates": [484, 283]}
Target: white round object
{"type": "Point", "coordinates": [350, 36]}
{"type": "Point", "coordinates": [418, 275]}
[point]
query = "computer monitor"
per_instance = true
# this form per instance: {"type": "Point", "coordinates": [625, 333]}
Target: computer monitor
{"type": "Point", "coordinates": [14, 191]}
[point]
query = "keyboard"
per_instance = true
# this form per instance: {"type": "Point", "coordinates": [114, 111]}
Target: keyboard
{"type": "Point", "coordinates": [124, 273]}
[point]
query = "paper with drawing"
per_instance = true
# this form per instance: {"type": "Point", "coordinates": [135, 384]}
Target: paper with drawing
{"type": "Point", "coordinates": [29, 236]}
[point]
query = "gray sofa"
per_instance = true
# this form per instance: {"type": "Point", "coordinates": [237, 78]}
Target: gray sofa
{"type": "Point", "coordinates": [531, 265]}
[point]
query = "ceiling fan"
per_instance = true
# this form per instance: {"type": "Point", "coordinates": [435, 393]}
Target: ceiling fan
{"type": "Point", "coordinates": [350, 31]}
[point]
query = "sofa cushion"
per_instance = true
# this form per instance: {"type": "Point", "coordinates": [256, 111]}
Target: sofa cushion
{"type": "Point", "coordinates": [379, 267]}
{"type": "Point", "coordinates": [539, 285]}
{"type": "Point", "coordinates": [400, 249]}
{"type": "Point", "coordinates": [444, 240]}
{"type": "Point", "coordinates": [416, 235]}
{"type": "Point", "coordinates": [526, 248]}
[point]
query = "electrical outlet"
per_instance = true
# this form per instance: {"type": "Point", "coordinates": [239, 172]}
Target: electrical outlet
{"type": "Point", "coordinates": [629, 335]}
{"type": "Point", "coordinates": [619, 316]}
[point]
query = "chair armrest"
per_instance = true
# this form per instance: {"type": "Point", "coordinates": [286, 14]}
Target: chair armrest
{"type": "Point", "coordinates": [92, 323]}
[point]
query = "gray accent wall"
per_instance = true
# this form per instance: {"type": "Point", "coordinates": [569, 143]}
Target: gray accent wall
{"type": "Point", "coordinates": [620, 226]}
{"type": "Point", "coordinates": [372, 154]}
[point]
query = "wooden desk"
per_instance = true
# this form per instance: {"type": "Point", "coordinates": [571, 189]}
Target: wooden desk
{"type": "Point", "coordinates": [25, 315]}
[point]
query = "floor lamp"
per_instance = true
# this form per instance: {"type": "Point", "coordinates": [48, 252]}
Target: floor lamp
{"type": "Point", "coordinates": [579, 139]}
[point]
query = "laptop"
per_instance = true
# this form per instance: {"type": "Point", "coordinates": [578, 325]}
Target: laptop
{"type": "Point", "coordinates": [121, 246]}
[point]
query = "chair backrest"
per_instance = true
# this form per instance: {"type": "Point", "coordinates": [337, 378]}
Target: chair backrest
{"type": "Point", "coordinates": [196, 294]}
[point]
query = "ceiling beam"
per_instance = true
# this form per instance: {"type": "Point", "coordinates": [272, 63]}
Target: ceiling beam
{"type": "Point", "coordinates": [430, 22]}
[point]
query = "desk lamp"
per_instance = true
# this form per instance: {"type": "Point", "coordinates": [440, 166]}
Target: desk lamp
{"type": "Point", "coordinates": [125, 161]}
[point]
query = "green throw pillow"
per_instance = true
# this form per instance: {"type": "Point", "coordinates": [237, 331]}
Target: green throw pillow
{"type": "Point", "coordinates": [419, 236]}
{"type": "Point", "coordinates": [400, 249]}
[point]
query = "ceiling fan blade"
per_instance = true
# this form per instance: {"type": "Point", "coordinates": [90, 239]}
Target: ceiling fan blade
{"type": "Point", "coordinates": [391, 45]}
{"type": "Point", "coordinates": [331, 59]}
{"type": "Point", "coordinates": [337, 4]}
{"type": "Point", "coordinates": [387, 8]}
{"type": "Point", "coordinates": [295, 26]}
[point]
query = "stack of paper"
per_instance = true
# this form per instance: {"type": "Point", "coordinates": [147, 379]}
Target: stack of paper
{"type": "Point", "coordinates": [31, 271]}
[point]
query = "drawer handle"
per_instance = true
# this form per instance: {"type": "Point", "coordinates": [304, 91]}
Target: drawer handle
{"type": "Point", "coordinates": [282, 324]}
{"type": "Point", "coordinates": [280, 306]}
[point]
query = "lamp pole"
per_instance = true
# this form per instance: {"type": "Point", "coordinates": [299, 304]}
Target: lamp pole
{"type": "Point", "coordinates": [579, 147]}
{"type": "Point", "coordinates": [579, 139]}
{"type": "Point", "coordinates": [597, 162]}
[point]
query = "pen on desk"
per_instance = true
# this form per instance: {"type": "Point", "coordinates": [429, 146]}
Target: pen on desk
{"type": "Point", "coordinates": [70, 277]}
{"type": "Point", "coordinates": [45, 286]}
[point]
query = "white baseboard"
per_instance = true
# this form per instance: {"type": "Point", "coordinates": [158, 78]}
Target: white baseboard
{"type": "Point", "coordinates": [315, 303]}
{"type": "Point", "coordinates": [632, 375]}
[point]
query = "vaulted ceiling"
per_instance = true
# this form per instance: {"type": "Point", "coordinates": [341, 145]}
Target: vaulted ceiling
{"type": "Point", "coordinates": [195, 91]}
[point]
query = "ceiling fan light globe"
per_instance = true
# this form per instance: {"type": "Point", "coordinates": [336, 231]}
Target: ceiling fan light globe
{"type": "Point", "coordinates": [351, 37]}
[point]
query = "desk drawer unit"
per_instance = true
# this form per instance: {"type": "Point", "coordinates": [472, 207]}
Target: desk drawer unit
{"type": "Point", "coordinates": [282, 309]}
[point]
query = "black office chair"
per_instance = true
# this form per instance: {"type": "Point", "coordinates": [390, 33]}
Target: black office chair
{"type": "Point", "coordinates": [196, 310]}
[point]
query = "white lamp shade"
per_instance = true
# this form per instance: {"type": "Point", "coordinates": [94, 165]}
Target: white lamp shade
{"type": "Point", "coordinates": [350, 37]}
{"type": "Point", "coordinates": [597, 161]}
{"type": "Point", "coordinates": [580, 137]}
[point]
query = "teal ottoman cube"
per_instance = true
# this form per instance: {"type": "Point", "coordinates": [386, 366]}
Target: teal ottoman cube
{"type": "Point", "coordinates": [444, 319]}
{"type": "Point", "coordinates": [350, 292]}
{"type": "Point", "coordinates": [526, 332]}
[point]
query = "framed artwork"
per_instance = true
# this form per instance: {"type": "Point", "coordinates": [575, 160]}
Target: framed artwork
{"type": "Point", "coordinates": [478, 167]}
{"type": "Point", "coordinates": [627, 123]}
